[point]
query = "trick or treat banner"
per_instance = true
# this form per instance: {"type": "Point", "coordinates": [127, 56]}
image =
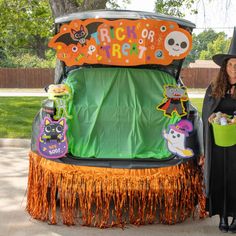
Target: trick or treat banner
{"type": "Point", "coordinates": [121, 42]}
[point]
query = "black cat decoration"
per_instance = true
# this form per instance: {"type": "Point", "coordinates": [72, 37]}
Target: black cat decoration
{"type": "Point", "coordinates": [79, 36]}
{"type": "Point", "coordinates": [52, 142]}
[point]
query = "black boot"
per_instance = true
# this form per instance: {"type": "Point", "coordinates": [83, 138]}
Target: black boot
{"type": "Point", "coordinates": [232, 227]}
{"type": "Point", "coordinates": [223, 226]}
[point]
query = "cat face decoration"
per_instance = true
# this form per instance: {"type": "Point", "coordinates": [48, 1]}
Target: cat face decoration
{"type": "Point", "coordinates": [52, 142]}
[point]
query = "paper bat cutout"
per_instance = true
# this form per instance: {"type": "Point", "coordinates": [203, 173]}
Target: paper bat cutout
{"type": "Point", "coordinates": [79, 36]}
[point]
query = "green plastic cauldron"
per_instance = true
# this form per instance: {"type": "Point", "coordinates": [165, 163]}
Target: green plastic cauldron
{"type": "Point", "coordinates": [224, 135]}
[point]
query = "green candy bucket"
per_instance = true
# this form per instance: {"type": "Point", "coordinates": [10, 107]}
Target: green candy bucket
{"type": "Point", "coordinates": [224, 135]}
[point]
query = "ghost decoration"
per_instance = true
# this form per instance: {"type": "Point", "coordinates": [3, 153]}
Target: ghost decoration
{"type": "Point", "coordinates": [176, 43]}
{"type": "Point", "coordinates": [176, 137]}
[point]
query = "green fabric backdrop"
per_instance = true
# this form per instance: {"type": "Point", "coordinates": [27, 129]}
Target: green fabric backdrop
{"type": "Point", "coordinates": [114, 113]}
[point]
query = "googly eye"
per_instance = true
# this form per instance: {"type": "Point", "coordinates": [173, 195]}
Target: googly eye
{"type": "Point", "coordinates": [74, 49]}
{"type": "Point", "coordinates": [140, 41]}
{"type": "Point", "coordinates": [163, 28]}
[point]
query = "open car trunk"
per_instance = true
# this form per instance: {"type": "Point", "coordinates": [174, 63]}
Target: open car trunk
{"type": "Point", "coordinates": [114, 118]}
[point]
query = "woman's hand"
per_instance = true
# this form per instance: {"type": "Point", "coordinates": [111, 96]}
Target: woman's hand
{"type": "Point", "coordinates": [201, 160]}
{"type": "Point", "coordinates": [211, 117]}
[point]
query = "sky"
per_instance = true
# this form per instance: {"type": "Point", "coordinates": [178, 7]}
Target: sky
{"type": "Point", "coordinates": [215, 15]}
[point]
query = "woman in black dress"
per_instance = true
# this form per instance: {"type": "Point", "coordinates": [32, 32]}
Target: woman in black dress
{"type": "Point", "coordinates": [220, 163]}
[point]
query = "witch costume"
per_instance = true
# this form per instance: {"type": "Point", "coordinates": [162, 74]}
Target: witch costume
{"type": "Point", "coordinates": [220, 162]}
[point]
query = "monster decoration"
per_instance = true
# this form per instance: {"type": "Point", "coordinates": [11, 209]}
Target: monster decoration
{"type": "Point", "coordinates": [176, 137]}
{"type": "Point", "coordinates": [121, 42]}
{"type": "Point", "coordinates": [174, 101]}
{"type": "Point", "coordinates": [52, 142]}
{"type": "Point", "coordinates": [61, 95]}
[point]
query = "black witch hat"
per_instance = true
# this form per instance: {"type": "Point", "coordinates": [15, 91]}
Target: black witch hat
{"type": "Point", "coordinates": [220, 58]}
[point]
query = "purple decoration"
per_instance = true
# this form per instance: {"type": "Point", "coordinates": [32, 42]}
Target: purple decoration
{"type": "Point", "coordinates": [52, 142]}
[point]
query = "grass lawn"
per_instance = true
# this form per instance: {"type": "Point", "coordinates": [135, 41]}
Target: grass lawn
{"type": "Point", "coordinates": [197, 102]}
{"type": "Point", "coordinates": [17, 115]}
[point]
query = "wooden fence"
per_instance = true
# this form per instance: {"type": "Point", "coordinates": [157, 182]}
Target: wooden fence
{"type": "Point", "coordinates": [198, 77]}
{"type": "Point", "coordinates": [26, 77]}
{"type": "Point", "coordinates": [39, 78]}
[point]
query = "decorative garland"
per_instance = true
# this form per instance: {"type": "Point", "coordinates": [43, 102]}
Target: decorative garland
{"type": "Point", "coordinates": [105, 197]}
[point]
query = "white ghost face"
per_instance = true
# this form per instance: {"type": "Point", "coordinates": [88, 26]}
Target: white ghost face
{"type": "Point", "coordinates": [176, 43]}
{"type": "Point", "coordinates": [176, 138]}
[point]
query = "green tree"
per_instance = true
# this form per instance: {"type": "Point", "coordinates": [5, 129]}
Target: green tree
{"type": "Point", "coordinates": [25, 26]}
{"type": "Point", "coordinates": [219, 45]}
{"type": "Point", "coordinates": [175, 7]}
{"type": "Point", "coordinates": [200, 43]}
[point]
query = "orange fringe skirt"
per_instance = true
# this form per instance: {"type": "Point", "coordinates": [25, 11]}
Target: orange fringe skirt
{"type": "Point", "coordinates": [106, 197]}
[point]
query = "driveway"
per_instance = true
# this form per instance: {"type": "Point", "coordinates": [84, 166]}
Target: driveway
{"type": "Point", "coordinates": [15, 221]}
